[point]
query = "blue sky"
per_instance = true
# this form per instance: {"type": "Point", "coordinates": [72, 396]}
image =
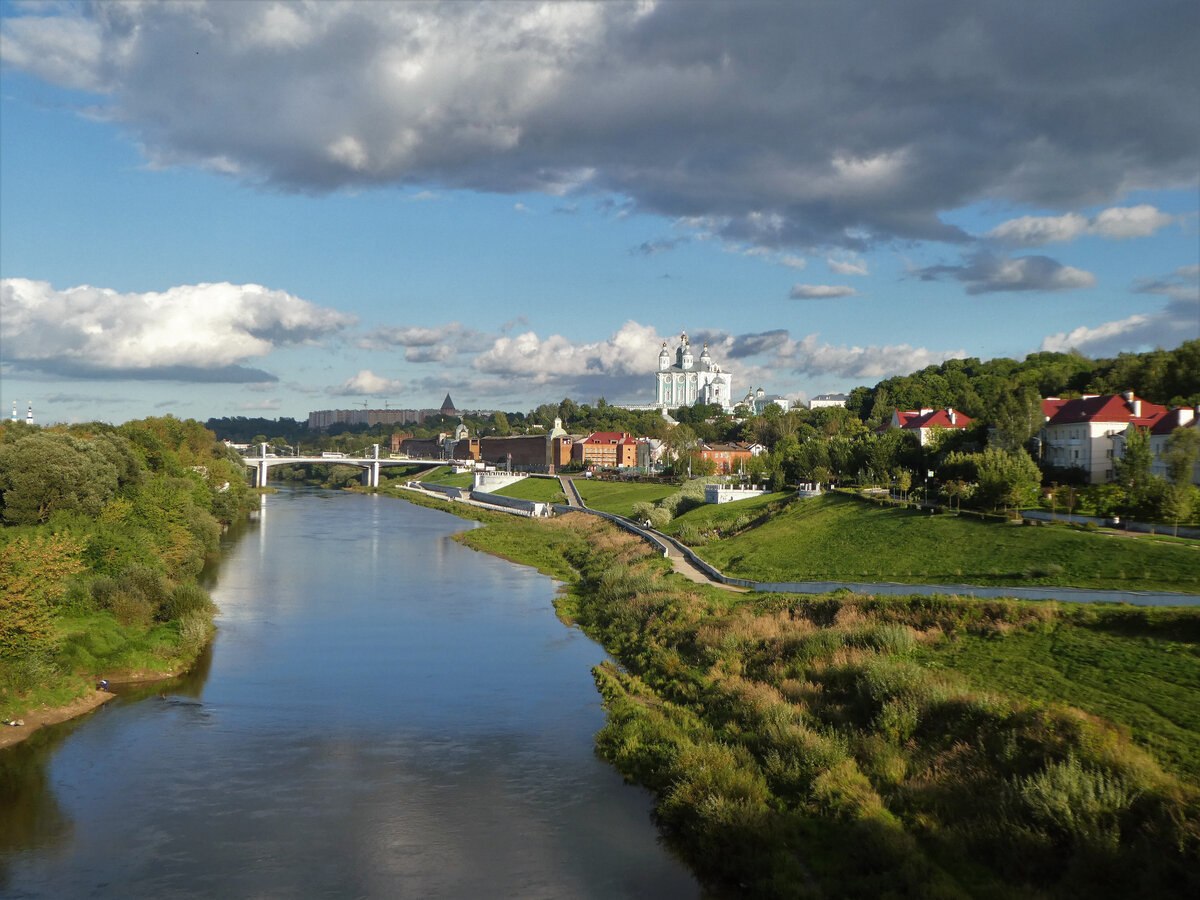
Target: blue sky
{"type": "Point", "coordinates": [267, 208]}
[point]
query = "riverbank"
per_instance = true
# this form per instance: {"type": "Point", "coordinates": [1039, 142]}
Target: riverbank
{"type": "Point", "coordinates": [38, 718]}
{"type": "Point", "coordinates": [838, 744]}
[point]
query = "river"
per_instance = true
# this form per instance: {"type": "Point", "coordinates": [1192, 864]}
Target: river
{"type": "Point", "coordinates": [384, 713]}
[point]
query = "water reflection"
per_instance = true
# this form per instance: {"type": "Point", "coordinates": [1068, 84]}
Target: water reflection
{"type": "Point", "coordinates": [384, 713]}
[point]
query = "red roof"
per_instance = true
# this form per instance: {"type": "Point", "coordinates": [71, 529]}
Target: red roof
{"type": "Point", "coordinates": [1115, 408]}
{"type": "Point", "coordinates": [1174, 419]}
{"type": "Point", "coordinates": [609, 437]}
{"type": "Point", "coordinates": [927, 418]}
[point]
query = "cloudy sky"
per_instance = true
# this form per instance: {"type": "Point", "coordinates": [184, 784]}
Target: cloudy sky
{"type": "Point", "coordinates": [265, 208]}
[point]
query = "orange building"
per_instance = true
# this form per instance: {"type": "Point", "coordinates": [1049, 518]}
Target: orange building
{"type": "Point", "coordinates": [609, 449]}
{"type": "Point", "coordinates": [726, 458]}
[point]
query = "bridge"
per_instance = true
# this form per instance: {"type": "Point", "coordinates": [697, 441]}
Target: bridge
{"type": "Point", "coordinates": [371, 465]}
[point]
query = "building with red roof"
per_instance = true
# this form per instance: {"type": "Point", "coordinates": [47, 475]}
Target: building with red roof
{"type": "Point", "coordinates": [611, 449]}
{"type": "Point", "coordinates": [1089, 432]}
{"type": "Point", "coordinates": [921, 422]}
{"type": "Point", "coordinates": [1160, 433]}
{"type": "Point", "coordinates": [726, 457]}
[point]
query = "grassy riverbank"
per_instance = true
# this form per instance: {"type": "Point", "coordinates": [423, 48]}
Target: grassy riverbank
{"type": "Point", "coordinates": [105, 533]}
{"type": "Point", "coordinates": [854, 746]}
{"type": "Point", "coordinates": [833, 537]}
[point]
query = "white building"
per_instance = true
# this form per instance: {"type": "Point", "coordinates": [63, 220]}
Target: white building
{"type": "Point", "coordinates": [823, 400]}
{"type": "Point", "coordinates": [758, 400]}
{"type": "Point", "coordinates": [1160, 434]}
{"type": "Point", "coordinates": [1089, 432]}
{"type": "Point", "coordinates": [688, 381]}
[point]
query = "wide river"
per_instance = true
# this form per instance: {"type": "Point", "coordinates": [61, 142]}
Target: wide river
{"type": "Point", "coordinates": [384, 713]}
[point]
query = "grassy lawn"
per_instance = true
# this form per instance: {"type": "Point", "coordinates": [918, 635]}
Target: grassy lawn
{"type": "Point", "coordinates": [445, 475]}
{"type": "Point", "coordinates": [835, 537]}
{"type": "Point", "coordinates": [722, 516]}
{"type": "Point", "coordinates": [1147, 683]}
{"type": "Point", "coordinates": [543, 490]}
{"type": "Point", "coordinates": [618, 497]}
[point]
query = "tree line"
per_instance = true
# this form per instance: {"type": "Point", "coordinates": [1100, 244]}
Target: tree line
{"type": "Point", "coordinates": [104, 531]}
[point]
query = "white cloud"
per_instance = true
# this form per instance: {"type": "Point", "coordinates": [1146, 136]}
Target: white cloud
{"type": "Point", "coordinates": [809, 356]}
{"type": "Point", "coordinates": [202, 332]}
{"type": "Point", "coordinates": [632, 349]}
{"type": "Point", "coordinates": [1122, 222]}
{"type": "Point", "coordinates": [1116, 223]}
{"type": "Point", "coordinates": [1178, 320]}
{"type": "Point", "coordinates": [821, 291]}
{"type": "Point", "coordinates": [1034, 231]}
{"type": "Point", "coordinates": [367, 383]}
{"type": "Point", "coordinates": [851, 266]}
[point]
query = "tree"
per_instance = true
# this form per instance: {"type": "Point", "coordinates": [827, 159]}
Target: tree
{"type": "Point", "coordinates": [500, 422]}
{"type": "Point", "coordinates": [49, 472]}
{"type": "Point", "coordinates": [681, 440]}
{"type": "Point", "coordinates": [1010, 480]}
{"type": "Point", "coordinates": [1183, 449]}
{"type": "Point", "coordinates": [1133, 468]}
{"type": "Point", "coordinates": [1018, 417]}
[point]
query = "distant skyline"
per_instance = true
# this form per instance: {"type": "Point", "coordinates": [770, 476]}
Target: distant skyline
{"type": "Point", "coordinates": [267, 208]}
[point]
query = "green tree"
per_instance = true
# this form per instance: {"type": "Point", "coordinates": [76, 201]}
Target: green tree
{"type": "Point", "coordinates": [1133, 468]}
{"type": "Point", "coordinates": [500, 422]}
{"type": "Point", "coordinates": [47, 472]}
{"type": "Point", "coordinates": [1183, 449]}
{"type": "Point", "coordinates": [1018, 417]}
{"type": "Point", "coordinates": [1008, 479]}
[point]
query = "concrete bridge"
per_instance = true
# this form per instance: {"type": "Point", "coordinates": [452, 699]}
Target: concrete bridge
{"type": "Point", "coordinates": [371, 465]}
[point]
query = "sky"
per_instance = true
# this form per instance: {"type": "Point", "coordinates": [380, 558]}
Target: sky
{"type": "Point", "coordinates": [266, 208]}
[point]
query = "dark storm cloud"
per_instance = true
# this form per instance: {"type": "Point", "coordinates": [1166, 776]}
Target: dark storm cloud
{"type": "Point", "coordinates": [782, 124]}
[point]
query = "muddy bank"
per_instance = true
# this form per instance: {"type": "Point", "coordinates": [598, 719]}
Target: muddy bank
{"type": "Point", "coordinates": [40, 717]}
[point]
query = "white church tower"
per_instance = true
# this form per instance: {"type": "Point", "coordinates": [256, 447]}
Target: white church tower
{"type": "Point", "coordinates": [685, 383]}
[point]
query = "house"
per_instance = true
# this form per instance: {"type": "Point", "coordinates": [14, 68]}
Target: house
{"type": "Point", "coordinates": [609, 449]}
{"type": "Point", "coordinates": [1160, 433]}
{"type": "Point", "coordinates": [726, 458]}
{"type": "Point", "coordinates": [822, 400]}
{"type": "Point", "coordinates": [1088, 432]}
{"type": "Point", "coordinates": [758, 400]}
{"type": "Point", "coordinates": [921, 422]}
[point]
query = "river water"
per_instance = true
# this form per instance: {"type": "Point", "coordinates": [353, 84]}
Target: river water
{"type": "Point", "coordinates": [384, 713]}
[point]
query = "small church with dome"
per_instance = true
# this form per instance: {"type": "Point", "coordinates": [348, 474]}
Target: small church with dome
{"type": "Point", "coordinates": [688, 381]}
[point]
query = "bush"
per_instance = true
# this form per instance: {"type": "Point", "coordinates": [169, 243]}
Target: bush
{"type": "Point", "coordinates": [131, 608]}
{"type": "Point", "coordinates": [1071, 803]}
{"type": "Point", "coordinates": [150, 584]}
{"type": "Point", "coordinates": [186, 599]}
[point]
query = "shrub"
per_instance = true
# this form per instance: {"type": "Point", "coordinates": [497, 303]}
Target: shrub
{"type": "Point", "coordinates": [131, 608]}
{"type": "Point", "coordinates": [185, 599]}
{"type": "Point", "coordinates": [149, 583]}
{"type": "Point", "coordinates": [195, 630]}
{"type": "Point", "coordinates": [1072, 803]}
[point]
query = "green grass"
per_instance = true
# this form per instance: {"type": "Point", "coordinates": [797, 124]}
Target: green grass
{"type": "Point", "coordinates": [1146, 683]}
{"type": "Point", "coordinates": [543, 490]}
{"type": "Point", "coordinates": [445, 475]}
{"type": "Point", "coordinates": [94, 645]}
{"type": "Point", "coordinates": [618, 497]}
{"type": "Point", "coordinates": [722, 515]}
{"type": "Point", "coordinates": [531, 542]}
{"type": "Point", "coordinates": [834, 537]}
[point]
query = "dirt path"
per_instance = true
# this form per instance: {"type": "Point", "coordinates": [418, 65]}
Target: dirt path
{"type": "Point", "coordinates": [39, 718]}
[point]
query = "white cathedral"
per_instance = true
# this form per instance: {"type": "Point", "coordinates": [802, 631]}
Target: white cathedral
{"type": "Point", "coordinates": [688, 381]}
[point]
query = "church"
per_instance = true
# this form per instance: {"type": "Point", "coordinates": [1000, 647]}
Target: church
{"type": "Point", "coordinates": [689, 381]}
